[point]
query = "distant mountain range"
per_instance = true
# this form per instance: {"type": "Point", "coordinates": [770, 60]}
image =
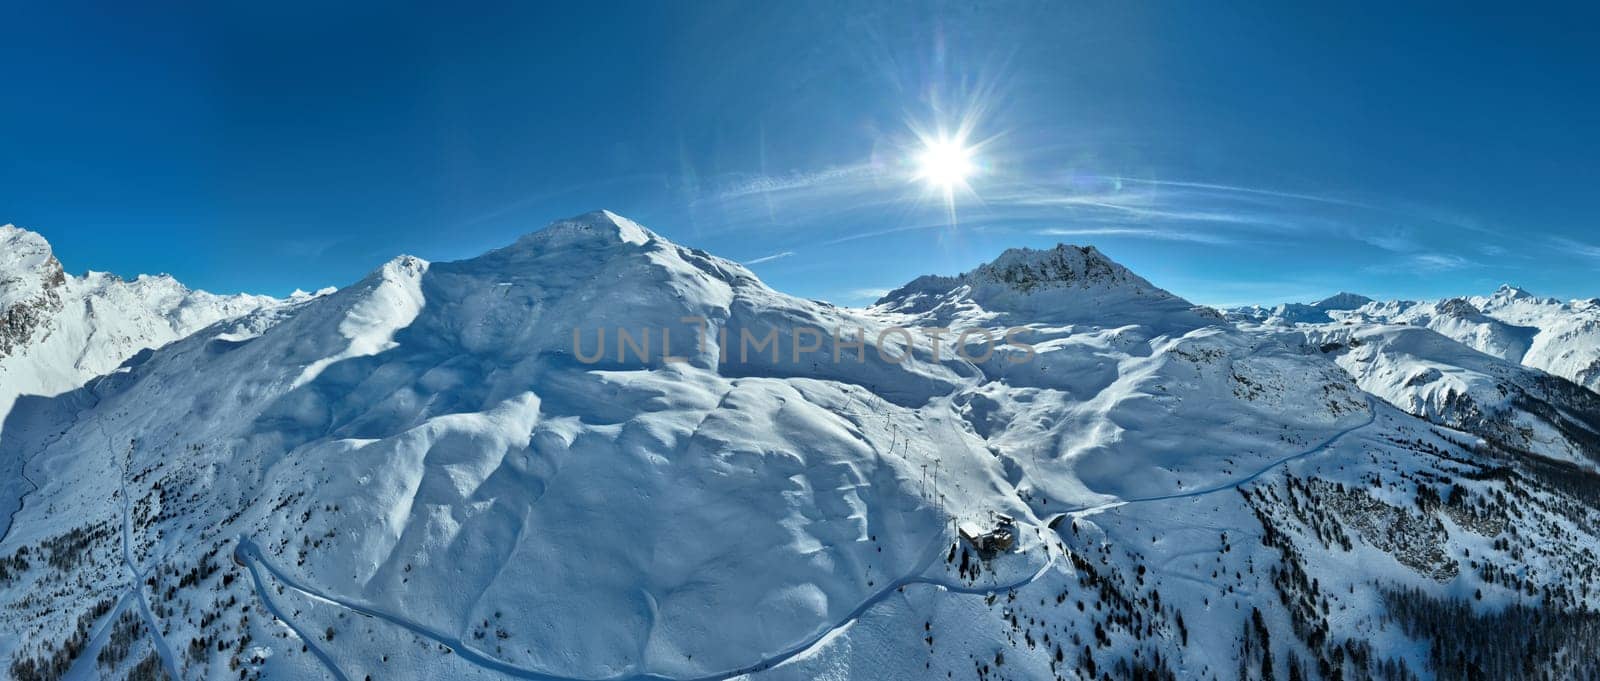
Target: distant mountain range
{"type": "Point", "coordinates": [1558, 337]}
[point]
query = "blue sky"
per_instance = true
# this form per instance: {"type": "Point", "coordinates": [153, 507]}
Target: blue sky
{"type": "Point", "coordinates": [1251, 153]}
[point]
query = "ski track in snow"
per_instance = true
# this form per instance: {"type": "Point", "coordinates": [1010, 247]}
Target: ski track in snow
{"type": "Point", "coordinates": [261, 593]}
{"type": "Point", "coordinates": [248, 554]}
{"type": "Point", "coordinates": [1372, 417]}
{"type": "Point", "coordinates": [135, 588]}
{"type": "Point", "coordinates": [79, 668]}
{"type": "Point", "coordinates": [156, 639]}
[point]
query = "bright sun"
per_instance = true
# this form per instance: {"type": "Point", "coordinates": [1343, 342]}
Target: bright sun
{"type": "Point", "coordinates": [945, 163]}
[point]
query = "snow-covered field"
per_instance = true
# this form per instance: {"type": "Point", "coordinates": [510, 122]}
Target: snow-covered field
{"type": "Point", "coordinates": [426, 474]}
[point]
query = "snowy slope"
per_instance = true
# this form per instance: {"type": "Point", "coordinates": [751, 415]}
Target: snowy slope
{"type": "Point", "coordinates": [1557, 337]}
{"type": "Point", "coordinates": [59, 330]}
{"type": "Point", "coordinates": [1568, 332]}
{"type": "Point", "coordinates": [406, 401]}
{"type": "Point", "coordinates": [430, 474]}
{"type": "Point", "coordinates": [1429, 375]}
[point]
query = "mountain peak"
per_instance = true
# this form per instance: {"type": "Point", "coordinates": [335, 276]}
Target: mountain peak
{"type": "Point", "coordinates": [28, 267]}
{"type": "Point", "coordinates": [403, 270]}
{"type": "Point", "coordinates": [1066, 283]}
{"type": "Point", "coordinates": [405, 264]}
{"type": "Point", "coordinates": [1342, 300]}
{"type": "Point", "coordinates": [21, 249]}
{"type": "Point", "coordinates": [1027, 269]}
{"type": "Point", "coordinates": [1508, 295]}
{"type": "Point", "coordinates": [595, 228]}
{"type": "Point", "coordinates": [1460, 308]}
{"type": "Point", "coordinates": [1511, 292]}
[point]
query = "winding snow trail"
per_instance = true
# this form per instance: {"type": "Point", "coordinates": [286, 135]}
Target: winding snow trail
{"type": "Point", "coordinates": [261, 593]}
{"type": "Point", "coordinates": [1372, 417]}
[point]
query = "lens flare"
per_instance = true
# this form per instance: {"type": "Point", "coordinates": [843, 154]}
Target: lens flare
{"type": "Point", "coordinates": [945, 163]}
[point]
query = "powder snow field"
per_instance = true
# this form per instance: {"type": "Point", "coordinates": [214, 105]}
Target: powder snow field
{"type": "Point", "coordinates": [428, 474]}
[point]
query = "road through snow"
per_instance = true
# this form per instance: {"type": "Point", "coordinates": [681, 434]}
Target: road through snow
{"type": "Point", "coordinates": [1372, 417]}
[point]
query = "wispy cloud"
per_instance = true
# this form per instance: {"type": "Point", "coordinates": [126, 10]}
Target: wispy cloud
{"type": "Point", "coordinates": [746, 201]}
{"type": "Point", "coordinates": [1576, 247]}
{"type": "Point", "coordinates": [883, 232]}
{"type": "Point", "coordinates": [853, 202]}
{"type": "Point", "coordinates": [838, 176]}
{"type": "Point", "coordinates": [1230, 294]}
{"type": "Point", "coordinates": [306, 248]}
{"type": "Point", "coordinates": [1439, 262]}
{"type": "Point", "coordinates": [1395, 240]}
{"type": "Point", "coordinates": [857, 297]}
{"type": "Point", "coordinates": [769, 258]}
{"type": "Point", "coordinates": [1141, 233]}
{"type": "Point", "coordinates": [1084, 201]}
{"type": "Point", "coordinates": [1493, 250]}
{"type": "Point", "coordinates": [524, 204]}
{"type": "Point", "coordinates": [1423, 263]}
{"type": "Point", "coordinates": [1125, 206]}
{"type": "Point", "coordinates": [1249, 191]}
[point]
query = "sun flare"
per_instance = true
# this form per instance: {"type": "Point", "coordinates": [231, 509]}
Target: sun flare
{"type": "Point", "coordinates": [945, 163]}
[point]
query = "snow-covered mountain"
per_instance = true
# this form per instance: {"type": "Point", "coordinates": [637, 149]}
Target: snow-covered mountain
{"type": "Point", "coordinates": [1558, 337]}
{"type": "Point", "coordinates": [1302, 313]}
{"type": "Point", "coordinates": [1066, 284]}
{"type": "Point", "coordinates": [58, 330]}
{"type": "Point", "coordinates": [596, 454]}
{"type": "Point", "coordinates": [1430, 375]}
{"type": "Point", "coordinates": [1496, 365]}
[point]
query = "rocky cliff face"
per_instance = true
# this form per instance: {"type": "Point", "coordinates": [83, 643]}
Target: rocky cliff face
{"type": "Point", "coordinates": [31, 280]}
